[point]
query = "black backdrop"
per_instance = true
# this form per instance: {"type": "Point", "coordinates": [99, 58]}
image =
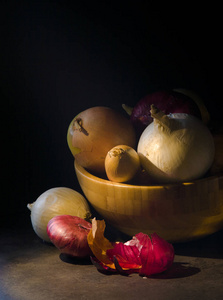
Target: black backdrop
{"type": "Point", "coordinates": [58, 58]}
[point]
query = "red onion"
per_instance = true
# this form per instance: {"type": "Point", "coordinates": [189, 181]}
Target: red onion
{"type": "Point", "coordinates": [69, 235]}
{"type": "Point", "coordinates": [166, 101]}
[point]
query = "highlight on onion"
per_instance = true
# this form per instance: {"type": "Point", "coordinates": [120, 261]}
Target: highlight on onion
{"type": "Point", "coordinates": [69, 235]}
{"type": "Point", "coordinates": [54, 202]}
{"type": "Point", "coordinates": [93, 132]}
{"type": "Point", "coordinates": [122, 163]}
{"type": "Point", "coordinates": [168, 101]}
{"type": "Point", "coordinates": [176, 147]}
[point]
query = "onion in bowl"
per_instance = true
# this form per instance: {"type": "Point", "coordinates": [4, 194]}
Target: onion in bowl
{"type": "Point", "coordinates": [122, 163]}
{"type": "Point", "coordinates": [176, 147]}
{"type": "Point", "coordinates": [93, 132]}
{"type": "Point", "coordinates": [168, 101]}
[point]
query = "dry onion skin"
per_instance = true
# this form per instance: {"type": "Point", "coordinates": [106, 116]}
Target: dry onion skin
{"type": "Point", "coordinates": [54, 202]}
{"type": "Point", "coordinates": [176, 148]}
{"type": "Point", "coordinates": [122, 163]}
{"type": "Point", "coordinates": [93, 132]}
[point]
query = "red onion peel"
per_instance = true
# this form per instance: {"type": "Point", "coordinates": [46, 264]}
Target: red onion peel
{"type": "Point", "coordinates": [141, 254]}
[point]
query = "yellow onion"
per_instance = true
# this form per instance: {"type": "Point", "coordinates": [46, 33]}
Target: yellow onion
{"type": "Point", "coordinates": [93, 132]}
{"type": "Point", "coordinates": [54, 202]}
{"type": "Point", "coordinates": [175, 148]}
{"type": "Point", "coordinates": [122, 163]}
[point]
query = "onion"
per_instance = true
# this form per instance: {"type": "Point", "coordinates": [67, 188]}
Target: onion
{"type": "Point", "coordinates": [122, 163]}
{"type": "Point", "coordinates": [69, 235]}
{"type": "Point", "coordinates": [176, 148]}
{"type": "Point", "coordinates": [94, 132]}
{"type": "Point", "coordinates": [168, 102]}
{"type": "Point", "coordinates": [54, 202]}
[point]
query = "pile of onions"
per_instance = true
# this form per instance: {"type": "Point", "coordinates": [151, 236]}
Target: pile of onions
{"type": "Point", "coordinates": [93, 132]}
{"type": "Point", "coordinates": [176, 148]}
{"type": "Point", "coordinates": [122, 163]}
{"type": "Point", "coordinates": [69, 235]}
{"type": "Point", "coordinates": [54, 202]}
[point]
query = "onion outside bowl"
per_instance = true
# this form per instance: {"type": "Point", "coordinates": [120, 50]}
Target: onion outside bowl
{"type": "Point", "coordinates": [176, 212]}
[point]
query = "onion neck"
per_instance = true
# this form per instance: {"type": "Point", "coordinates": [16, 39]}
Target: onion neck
{"type": "Point", "coordinates": [117, 151]}
{"type": "Point", "coordinates": [78, 125]}
{"type": "Point", "coordinates": [165, 122]}
{"type": "Point", "coordinates": [30, 205]}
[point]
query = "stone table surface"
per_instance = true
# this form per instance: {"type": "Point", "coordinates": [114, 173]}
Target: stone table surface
{"type": "Point", "coordinates": [33, 270]}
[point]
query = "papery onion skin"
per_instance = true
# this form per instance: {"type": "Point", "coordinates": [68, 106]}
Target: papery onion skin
{"type": "Point", "coordinates": [54, 202]}
{"type": "Point", "coordinates": [157, 255]}
{"type": "Point", "coordinates": [184, 153]}
{"type": "Point", "coordinates": [122, 163]}
{"type": "Point", "coordinates": [127, 256]}
{"type": "Point", "coordinates": [141, 254]}
{"type": "Point", "coordinates": [69, 235]}
{"type": "Point", "coordinates": [167, 101]}
{"type": "Point", "coordinates": [93, 132]}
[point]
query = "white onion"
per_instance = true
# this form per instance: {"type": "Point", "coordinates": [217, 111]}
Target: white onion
{"type": "Point", "coordinates": [176, 148]}
{"type": "Point", "coordinates": [54, 202]}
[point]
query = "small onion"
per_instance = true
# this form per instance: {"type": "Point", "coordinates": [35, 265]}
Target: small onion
{"type": "Point", "coordinates": [69, 235]}
{"type": "Point", "coordinates": [122, 163]}
{"type": "Point", "coordinates": [54, 202]}
{"type": "Point", "coordinates": [93, 132]}
{"type": "Point", "coordinates": [175, 148]}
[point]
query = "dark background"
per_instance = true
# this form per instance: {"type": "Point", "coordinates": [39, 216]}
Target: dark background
{"type": "Point", "coordinates": [58, 58]}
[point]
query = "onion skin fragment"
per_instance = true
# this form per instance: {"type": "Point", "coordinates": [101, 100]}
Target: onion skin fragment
{"type": "Point", "coordinates": [157, 255]}
{"type": "Point", "coordinates": [141, 254]}
{"type": "Point", "coordinates": [69, 235]}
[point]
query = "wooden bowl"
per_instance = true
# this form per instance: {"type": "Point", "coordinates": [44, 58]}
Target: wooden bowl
{"type": "Point", "coordinates": [176, 212]}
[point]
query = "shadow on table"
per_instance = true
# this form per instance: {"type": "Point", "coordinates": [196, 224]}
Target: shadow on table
{"type": "Point", "coordinates": [177, 270]}
{"type": "Point", "coordinates": [75, 260]}
{"type": "Point", "coordinates": [208, 247]}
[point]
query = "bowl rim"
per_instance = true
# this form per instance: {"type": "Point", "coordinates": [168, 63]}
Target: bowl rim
{"type": "Point", "coordinates": [92, 177]}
